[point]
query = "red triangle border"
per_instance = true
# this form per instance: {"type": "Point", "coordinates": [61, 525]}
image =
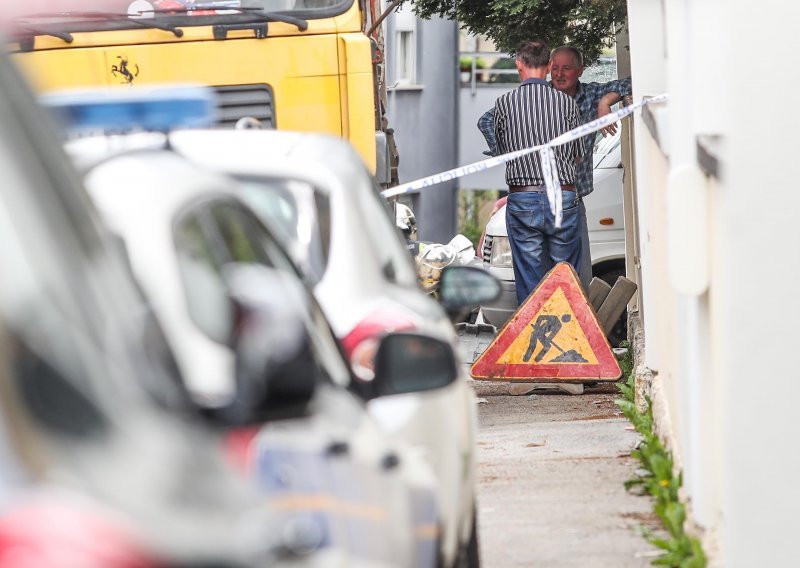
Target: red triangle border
{"type": "Point", "coordinates": [561, 276]}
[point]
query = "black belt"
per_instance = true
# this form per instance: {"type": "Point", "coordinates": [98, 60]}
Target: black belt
{"type": "Point", "coordinates": [539, 188]}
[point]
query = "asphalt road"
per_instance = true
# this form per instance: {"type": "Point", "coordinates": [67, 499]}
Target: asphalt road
{"type": "Point", "coordinates": [551, 474]}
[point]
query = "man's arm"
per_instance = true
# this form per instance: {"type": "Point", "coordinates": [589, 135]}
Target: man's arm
{"type": "Point", "coordinates": [604, 108]}
{"type": "Point", "coordinates": [607, 94]}
{"type": "Point", "coordinates": [597, 91]}
{"type": "Point", "coordinates": [486, 126]}
{"type": "Point", "coordinates": [499, 124]}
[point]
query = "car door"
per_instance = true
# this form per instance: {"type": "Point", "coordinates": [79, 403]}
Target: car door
{"type": "Point", "coordinates": [367, 491]}
{"type": "Point", "coordinates": [331, 470]}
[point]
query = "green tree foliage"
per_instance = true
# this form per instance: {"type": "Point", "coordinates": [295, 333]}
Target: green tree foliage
{"type": "Point", "coordinates": [589, 25]}
{"type": "Point", "coordinates": [474, 207]}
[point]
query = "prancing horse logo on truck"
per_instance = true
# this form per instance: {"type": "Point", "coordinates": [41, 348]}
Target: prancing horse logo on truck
{"type": "Point", "coordinates": [122, 69]}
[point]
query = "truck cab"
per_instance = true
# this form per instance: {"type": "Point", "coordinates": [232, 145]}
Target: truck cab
{"type": "Point", "coordinates": [303, 65]}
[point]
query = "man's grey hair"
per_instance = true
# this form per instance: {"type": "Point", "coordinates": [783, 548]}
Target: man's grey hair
{"type": "Point", "coordinates": [571, 50]}
{"type": "Point", "coordinates": [533, 54]}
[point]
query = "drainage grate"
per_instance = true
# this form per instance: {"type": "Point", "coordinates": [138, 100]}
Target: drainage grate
{"type": "Point", "coordinates": [235, 102]}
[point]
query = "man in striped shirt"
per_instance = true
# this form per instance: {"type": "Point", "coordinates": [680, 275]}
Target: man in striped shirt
{"type": "Point", "coordinates": [532, 115]}
{"type": "Point", "coordinates": [594, 100]}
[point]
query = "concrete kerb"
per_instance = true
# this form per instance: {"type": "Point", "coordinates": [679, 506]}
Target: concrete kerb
{"type": "Point", "coordinates": [643, 377]}
{"type": "Point", "coordinates": [648, 384]}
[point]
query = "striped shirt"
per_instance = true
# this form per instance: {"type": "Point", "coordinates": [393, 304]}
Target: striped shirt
{"type": "Point", "coordinates": [531, 115]}
{"type": "Point", "coordinates": [587, 97]}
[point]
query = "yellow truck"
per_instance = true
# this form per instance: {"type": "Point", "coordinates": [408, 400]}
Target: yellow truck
{"type": "Point", "coordinates": [304, 65]}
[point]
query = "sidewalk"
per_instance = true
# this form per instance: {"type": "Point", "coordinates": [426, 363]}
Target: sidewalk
{"type": "Point", "coordinates": [551, 474]}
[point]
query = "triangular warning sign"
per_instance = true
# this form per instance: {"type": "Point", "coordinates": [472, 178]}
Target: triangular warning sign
{"type": "Point", "coordinates": [553, 336]}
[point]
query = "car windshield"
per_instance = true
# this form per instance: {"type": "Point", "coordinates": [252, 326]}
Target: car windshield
{"type": "Point", "coordinates": [604, 145]}
{"type": "Point", "coordinates": [88, 15]}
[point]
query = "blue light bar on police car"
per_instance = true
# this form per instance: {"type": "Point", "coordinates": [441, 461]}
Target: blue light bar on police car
{"type": "Point", "coordinates": [135, 108]}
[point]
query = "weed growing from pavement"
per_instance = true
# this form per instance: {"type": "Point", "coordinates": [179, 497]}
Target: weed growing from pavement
{"type": "Point", "coordinates": [658, 479]}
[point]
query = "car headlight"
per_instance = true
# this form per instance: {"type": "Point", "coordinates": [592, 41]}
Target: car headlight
{"type": "Point", "coordinates": [501, 252]}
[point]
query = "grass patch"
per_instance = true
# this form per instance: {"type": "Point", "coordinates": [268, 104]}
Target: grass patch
{"type": "Point", "coordinates": [658, 480]}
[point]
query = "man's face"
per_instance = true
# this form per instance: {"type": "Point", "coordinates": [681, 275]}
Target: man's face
{"type": "Point", "coordinates": [565, 72]}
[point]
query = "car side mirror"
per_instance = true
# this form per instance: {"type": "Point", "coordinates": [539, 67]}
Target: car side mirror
{"type": "Point", "coordinates": [466, 287]}
{"type": "Point", "coordinates": [275, 368]}
{"type": "Point", "coordinates": [411, 362]}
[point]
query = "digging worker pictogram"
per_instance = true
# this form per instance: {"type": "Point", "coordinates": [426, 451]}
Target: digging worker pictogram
{"type": "Point", "coordinates": [544, 332]}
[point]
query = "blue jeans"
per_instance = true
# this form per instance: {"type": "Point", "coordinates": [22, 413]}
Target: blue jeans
{"type": "Point", "coordinates": [536, 244]}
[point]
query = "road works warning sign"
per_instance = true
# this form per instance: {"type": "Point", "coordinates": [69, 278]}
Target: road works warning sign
{"type": "Point", "coordinates": [554, 335]}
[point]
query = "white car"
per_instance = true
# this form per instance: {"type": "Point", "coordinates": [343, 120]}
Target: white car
{"type": "Point", "coordinates": [211, 269]}
{"type": "Point", "coordinates": [316, 191]}
{"type": "Point", "coordinates": [606, 221]}
{"type": "Point", "coordinates": [93, 472]}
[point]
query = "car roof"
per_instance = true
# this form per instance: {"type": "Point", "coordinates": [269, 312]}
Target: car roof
{"type": "Point", "coordinates": [153, 184]}
{"type": "Point", "coordinates": [87, 152]}
{"type": "Point", "coordinates": [315, 157]}
{"type": "Point", "coordinates": [279, 143]}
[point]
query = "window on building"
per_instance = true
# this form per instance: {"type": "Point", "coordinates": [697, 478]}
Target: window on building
{"type": "Point", "coordinates": [406, 46]}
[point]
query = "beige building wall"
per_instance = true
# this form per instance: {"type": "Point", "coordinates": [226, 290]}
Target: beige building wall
{"type": "Point", "coordinates": [720, 261]}
{"type": "Point", "coordinates": [672, 50]}
{"type": "Point", "coordinates": [759, 242]}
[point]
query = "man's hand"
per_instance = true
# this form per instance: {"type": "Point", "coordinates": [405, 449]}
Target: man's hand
{"type": "Point", "coordinates": [604, 108]}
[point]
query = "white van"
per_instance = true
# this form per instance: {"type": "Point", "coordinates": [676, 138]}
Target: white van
{"type": "Point", "coordinates": [606, 236]}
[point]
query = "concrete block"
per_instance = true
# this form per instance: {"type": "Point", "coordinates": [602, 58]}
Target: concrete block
{"type": "Point", "coordinates": [519, 389]}
{"type": "Point", "coordinates": [616, 303]}
{"type": "Point", "coordinates": [598, 292]}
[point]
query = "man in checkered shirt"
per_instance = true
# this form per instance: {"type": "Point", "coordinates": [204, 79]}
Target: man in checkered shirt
{"type": "Point", "coordinates": [593, 100]}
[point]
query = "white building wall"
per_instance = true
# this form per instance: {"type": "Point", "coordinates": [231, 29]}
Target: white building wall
{"type": "Point", "coordinates": [720, 264]}
{"type": "Point", "coordinates": [760, 266]}
{"type": "Point", "coordinates": [695, 109]}
{"type": "Point", "coordinates": [681, 47]}
{"type": "Point", "coordinates": [648, 70]}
